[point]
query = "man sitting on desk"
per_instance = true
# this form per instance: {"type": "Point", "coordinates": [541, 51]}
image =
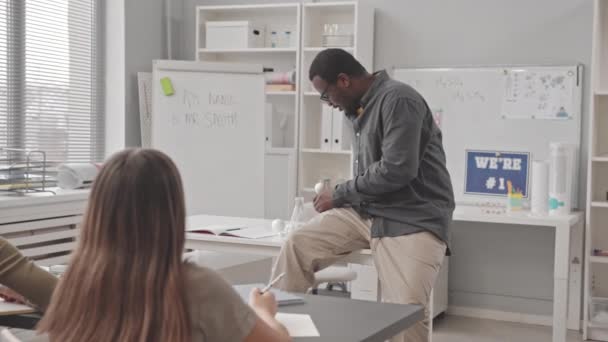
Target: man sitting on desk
{"type": "Point", "coordinates": [400, 201]}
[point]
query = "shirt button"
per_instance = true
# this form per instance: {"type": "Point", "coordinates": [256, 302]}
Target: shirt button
{"type": "Point", "coordinates": [358, 134]}
{"type": "Point", "coordinates": [356, 161]}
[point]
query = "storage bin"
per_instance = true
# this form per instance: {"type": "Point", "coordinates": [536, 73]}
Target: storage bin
{"type": "Point", "coordinates": [233, 35]}
{"type": "Point", "coordinates": [338, 35]}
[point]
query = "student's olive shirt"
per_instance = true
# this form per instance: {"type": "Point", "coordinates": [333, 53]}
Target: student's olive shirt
{"type": "Point", "coordinates": [399, 165]}
{"type": "Point", "coordinates": [24, 277]}
{"type": "Point", "coordinates": [217, 312]}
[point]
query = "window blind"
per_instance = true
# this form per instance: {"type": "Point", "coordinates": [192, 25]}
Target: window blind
{"type": "Point", "coordinates": [51, 78]}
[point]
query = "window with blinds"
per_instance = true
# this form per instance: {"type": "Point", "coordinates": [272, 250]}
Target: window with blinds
{"type": "Point", "coordinates": [51, 78]}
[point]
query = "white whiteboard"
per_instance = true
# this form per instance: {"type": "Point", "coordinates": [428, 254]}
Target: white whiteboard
{"type": "Point", "coordinates": [213, 128]}
{"type": "Point", "coordinates": [519, 109]}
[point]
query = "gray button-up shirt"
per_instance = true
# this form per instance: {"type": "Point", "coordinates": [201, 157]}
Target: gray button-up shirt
{"type": "Point", "coordinates": [400, 179]}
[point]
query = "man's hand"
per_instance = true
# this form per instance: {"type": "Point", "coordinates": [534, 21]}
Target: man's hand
{"type": "Point", "coordinates": [323, 201]}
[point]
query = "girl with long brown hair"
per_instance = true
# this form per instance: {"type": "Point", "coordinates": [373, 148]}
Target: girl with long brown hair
{"type": "Point", "coordinates": [127, 281]}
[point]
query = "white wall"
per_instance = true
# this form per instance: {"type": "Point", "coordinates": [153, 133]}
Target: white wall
{"type": "Point", "coordinates": [114, 14]}
{"type": "Point", "coordinates": [135, 35]}
{"type": "Point", "coordinates": [495, 267]}
{"type": "Point", "coordinates": [145, 40]}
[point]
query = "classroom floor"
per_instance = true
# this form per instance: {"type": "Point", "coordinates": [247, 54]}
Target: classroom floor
{"type": "Point", "coordinates": [460, 329]}
{"type": "Point", "coordinates": [464, 329]}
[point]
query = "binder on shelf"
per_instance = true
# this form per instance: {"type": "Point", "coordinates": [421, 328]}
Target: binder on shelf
{"type": "Point", "coordinates": [326, 127]}
{"type": "Point", "coordinates": [337, 142]}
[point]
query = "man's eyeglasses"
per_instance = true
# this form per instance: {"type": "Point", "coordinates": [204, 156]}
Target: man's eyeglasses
{"type": "Point", "coordinates": [324, 96]}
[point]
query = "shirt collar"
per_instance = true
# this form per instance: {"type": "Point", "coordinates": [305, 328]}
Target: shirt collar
{"type": "Point", "coordinates": [379, 78]}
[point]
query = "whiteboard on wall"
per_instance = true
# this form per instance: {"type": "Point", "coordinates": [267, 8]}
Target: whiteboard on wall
{"type": "Point", "coordinates": [212, 127]}
{"type": "Point", "coordinates": [515, 109]}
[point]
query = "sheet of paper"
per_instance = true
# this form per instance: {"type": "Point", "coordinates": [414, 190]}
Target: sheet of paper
{"type": "Point", "coordinates": [253, 233]}
{"type": "Point", "coordinates": [217, 228]}
{"type": "Point", "coordinates": [298, 325]}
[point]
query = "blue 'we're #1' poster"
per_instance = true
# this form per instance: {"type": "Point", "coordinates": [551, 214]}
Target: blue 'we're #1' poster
{"type": "Point", "coordinates": [487, 172]}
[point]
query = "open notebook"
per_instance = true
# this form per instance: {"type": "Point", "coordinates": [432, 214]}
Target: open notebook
{"type": "Point", "coordinates": [234, 230]}
{"type": "Point", "coordinates": [283, 298]}
{"type": "Point", "coordinates": [7, 308]}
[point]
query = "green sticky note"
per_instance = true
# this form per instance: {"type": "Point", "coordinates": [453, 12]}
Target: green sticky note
{"type": "Point", "coordinates": [167, 86]}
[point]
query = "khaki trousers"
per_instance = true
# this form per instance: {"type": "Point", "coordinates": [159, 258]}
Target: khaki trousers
{"type": "Point", "coordinates": [407, 265]}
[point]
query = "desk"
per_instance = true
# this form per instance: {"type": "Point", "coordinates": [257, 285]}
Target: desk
{"type": "Point", "coordinates": [336, 319]}
{"type": "Point", "coordinates": [266, 246]}
{"type": "Point", "coordinates": [567, 280]}
{"type": "Point", "coordinates": [339, 319]}
{"type": "Point", "coordinates": [23, 321]}
{"type": "Point", "coordinates": [565, 296]}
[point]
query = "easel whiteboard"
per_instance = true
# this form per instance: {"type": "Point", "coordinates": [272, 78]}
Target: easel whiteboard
{"type": "Point", "coordinates": [212, 126]}
{"type": "Point", "coordinates": [518, 109]}
{"type": "Point", "coordinates": [144, 87]}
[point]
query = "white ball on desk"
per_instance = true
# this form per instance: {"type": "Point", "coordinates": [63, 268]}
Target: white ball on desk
{"type": "Point", "coordinates": [318, 188]}
{"type": "Point", "coordinates": [278, 226]}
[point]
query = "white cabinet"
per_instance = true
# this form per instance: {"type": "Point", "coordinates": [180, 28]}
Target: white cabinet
{"type": "Point", "coordinates": [43, 226]}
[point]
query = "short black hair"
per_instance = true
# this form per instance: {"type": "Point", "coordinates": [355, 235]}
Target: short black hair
{"type": "Point", "coordinates": [328, 64]}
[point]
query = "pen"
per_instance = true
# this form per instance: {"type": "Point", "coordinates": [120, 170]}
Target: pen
{"type": "Point", "coordinates": [232, 229]}
{"type": "Point", "coordinates": [272, 283]}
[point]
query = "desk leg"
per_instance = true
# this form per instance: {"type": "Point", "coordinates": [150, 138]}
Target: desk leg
{"type": "Point", "coordinates": [576, 281]}
{"type": "Point", "coordinates": [561, 282]}
{"type": "Point", "coordinates": [431, 305]}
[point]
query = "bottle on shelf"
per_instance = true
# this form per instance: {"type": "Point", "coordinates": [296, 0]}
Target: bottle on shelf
{"type": "Point", "coordinates": [274, 39]}
{"type": "Point", "coordinates": [287, 39]}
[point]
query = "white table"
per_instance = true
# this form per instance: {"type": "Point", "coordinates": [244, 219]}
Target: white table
{"type": "Point", "coordinates": [567, 280]}
{"type": "Point", "coordinates": [266, 246]}
{"type": "Point", "coordinates": [564, 297]}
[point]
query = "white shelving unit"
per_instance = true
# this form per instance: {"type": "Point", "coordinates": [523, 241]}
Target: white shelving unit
{"type": "Point", "coordinates": [264, 50]}
{"type": "Point", "coordinates": [280, 93]}
{"type": "Point", "coordinates": [282, 117]}
{"type": "Point", "coordinates": [598, 260]}
{"type": "Point", "coordinates": [596, 270]}
{"type": "Point", "coordinates": [295, 160]}
{"type": "Point", "coordinates": [316, 163]}
{"type": "Point", "coordinates": [319, 49]}
{"type": "Point", "coordinates": [271, 17]}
